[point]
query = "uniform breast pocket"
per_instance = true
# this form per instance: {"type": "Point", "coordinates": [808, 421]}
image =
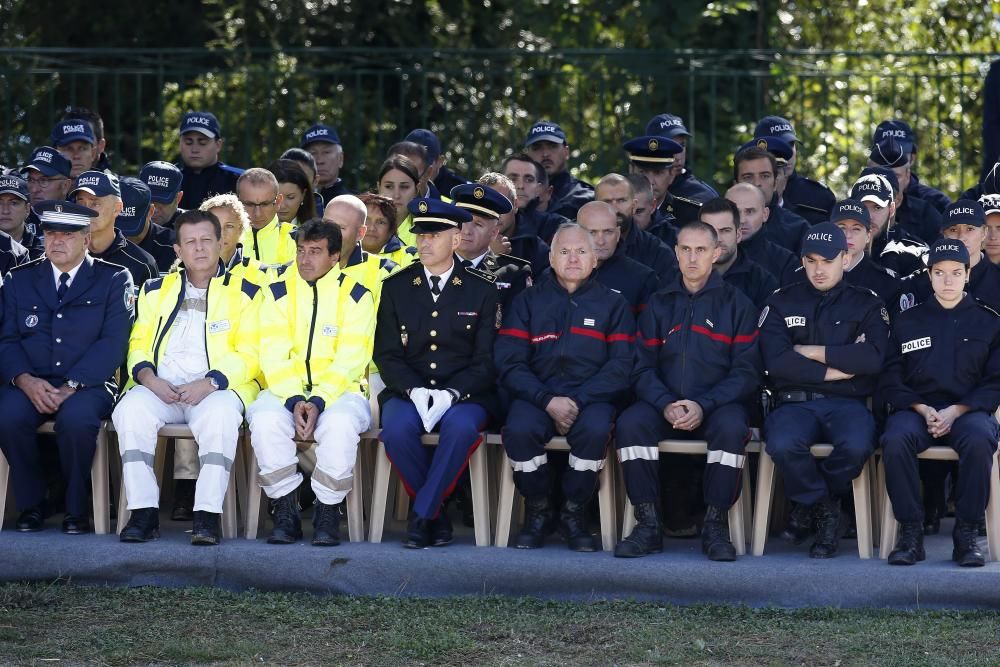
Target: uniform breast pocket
{"type": "Point", "coordinates": [85, 317]}
{"type": "Point", "coordinates": [33, 320]}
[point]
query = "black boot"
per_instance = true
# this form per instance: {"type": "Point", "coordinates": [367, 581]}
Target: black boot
{"type": "Point", "coordinates": [981, 526]}
{"type": "Point", "coordinates": [573, 526]}
{"type": "Point", "coordinates": [646, 537]}
{"type": "Point", "coordinates": [206, 528]}
{"type": "Point", "coordinates": [183, 500]}
{"type": "Point", "coordinates": [538, 520]}
{"type": "Point", "coordinates": [715, 542]}
{"type": "Point", "coordinates": [909, 545]}
{"type": "Point", "coordinates": [966, 552]}
{"type": "Point", "coordinates": [826, 514]}
{"type": "Point", "coordinates": [418, 532]}
{"type": "Point", "coordinates": [441, 530]}
{"type": "Point", "coordinates": [287, 523]}
{"type": "Point", "coordinates": [799, 526]}
{"type": "Point", "coordinates": [142, 526]}
{"type": "Point", "coordinates": [326, 524]}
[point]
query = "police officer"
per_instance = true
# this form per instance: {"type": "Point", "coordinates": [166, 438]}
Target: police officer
{"type": "Point", "coordinates": [991, 207]}
{"type": "Point", "coordinates": [754, 215]}
{"type": "Point", "coordinates": [546, 144]}
{"type": "Point", "coordinates": [733, 265]}
{"type": "Point", "coordinates": [323, 143]}
{"type": "Point", "coordinates": [637, 244]}
{"type": "Point", "coordinates": [204, 174]}
{"type": "Point", "coordinates": [942, 383]}
{"type": "Point", "coordinates": [697, 369]}
{"type": "Point", "coordinates": [564, 354]}
{"type": "Point", "coordinates": [51, 182]}
{"type": "Point", "coordinates": [854, 220]}
{"type": "Point", "coordinates": [654, 157]}
{"type": "Point", "coordinates": [823, 342]}
{"type": "Point", "coordinates": [443, 178]}
{"type": "Point", "coordinates": [269, 241]}
{"type": "Point", "coordinates": [65, 329]}
{"type": "Point", "coordinates": [136, 223]}
{"type": "Point", "coordinates": [74, 138]}
{"type": "Point", "coordinates": [807, 198]}
{"type": "Point", "coordinates": [524, 243]}
{"type": "Point", "coordinates": [891, 246]}
{"type": "Point", "coordinates": [13, 211]}
{"type": "Point", "coordinates": [689, 191]}
{"type": "Point", "coordinates": [763, 162]}
{"type": "Point", "coordinates": [533, 195]}
{"type": "Point", "coordinates": [915, 215]}
{"type": "Point", "coordinates": [192, 359]}
{"type": "Point", "coordinates": [434, 341]}
{"type": "Point", "coordinates": [165, 182]}
{"type": "Point", "coordinates": [907, 138]}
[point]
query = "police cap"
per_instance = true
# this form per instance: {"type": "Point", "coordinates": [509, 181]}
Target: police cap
{"type": "Point", "coordinates": [825, 239]}
{"type": "Point", "coordinates": [945, 250]}
{"type": "Point", "coordinates": [12, 184]}
{"type": "Point", "coordinates": [875, 185]}
{"type": "Point", "coordinates": [775, 126]}
{"type": "Point", "coordinates": [779, 147]}
{"type": "Point", "coordinates": [49, 162]}
{"type": "Point", "coordinates": [202, 122]}
{"type": "Point", "coordinates": [480, 199]}
{"type": "Point", "coordinates": [991, 204]}
{"type": "Point", "coordinates": [428, 140]}
{"type": "Point", "coordinates": [64, 216]}
{"type": "Point", "coordinates": [652, 151]}
{"type": "Point", "coordinates": [97, 183]}
{"type": "Point", "coordinates": [851, 209]}
{"type": "Point", "coordinates": [964, 212]}
{"type": "Point", "coordinates": [898, 130]}
{"type": "Point", "coordinates": [434, 215]}
{"type": "Point", "coordinates": [667, 125]}
{"type": "Point", "coordinates": [320, 133]}
{"type": "Point", "coordinates": [545, 130]}
{"type": "Point", "coordinates": [135, 206]}
{"type": "Point", "coordinates": [889, 153]}
{"type": "Point", "coordinates": [72, 129]}
{"type": "Point", "coordinates": [163, 179]}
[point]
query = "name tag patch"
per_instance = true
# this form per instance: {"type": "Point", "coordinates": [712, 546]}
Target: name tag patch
{"type": "Point", "coordinates": [329, 330]}
{"type": "Point", "coordinates": [218, 327]}
{"type": "Point", "coordinates": [588, 321]}
{"type": "Point", "coordinates": [795, 321]}
{"type": "Point", "coordinates": [916, 344]}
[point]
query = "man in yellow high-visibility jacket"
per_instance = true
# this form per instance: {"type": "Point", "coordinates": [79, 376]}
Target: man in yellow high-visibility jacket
{"type": "Point", "coordinates": [269, 241]}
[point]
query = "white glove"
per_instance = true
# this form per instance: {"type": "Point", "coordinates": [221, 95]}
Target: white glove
{"type": "Point", "coordinates": [442, 400]}
{"type": "Point", "coordinates": [421, 398]}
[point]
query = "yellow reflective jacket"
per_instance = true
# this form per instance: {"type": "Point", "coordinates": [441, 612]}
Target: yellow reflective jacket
{"type": "Point", "coordinates": [272, 244]}
{"type": "Point", "coordinates": [230, 329]}
{"type": "Point", "coordinates": [399, 252]}
{"type": "Point", "coordinates": [315, 338]}
{"type": "Point", "coordinates": [249, 268]}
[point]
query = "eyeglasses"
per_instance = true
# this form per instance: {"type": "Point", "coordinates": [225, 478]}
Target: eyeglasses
{"type": "Point", "coordinates": [250, 205]}
{"type": "Point", "coordinates": [46, 181]}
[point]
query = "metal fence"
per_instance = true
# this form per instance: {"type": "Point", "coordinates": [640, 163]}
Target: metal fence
{"type": "Point", "coordinates": [482, 102]}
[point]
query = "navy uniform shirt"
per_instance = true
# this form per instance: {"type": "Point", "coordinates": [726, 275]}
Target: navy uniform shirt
{"type": "Point", "coordinates": [984, 284]}
{"type": "Point", "coordinates": [784, 227]}
{"type": "Point", "coordinates": [777, 261]}
{"type": "Point", "coordinates": [219, 179]}
{"type": "Point", "coordinates": [159, 243]}
{"type": "Point", "coordinates": [752, 279]}
{"type": "Point", "coordinates": [140, 264]}
{"type": "Point", "coordinates": [939, 200]}
{"type": "Point", "coordinates": [634, 281]}
{"type": "Point", "coordinates": [809, 199]}
{"type": "Point", "coordinates": [12, 253]}
{"type": "Point", "coordinates": [331, 191]}
{"type": "Point", "coordinates": [871, 276]}
{"type": "Point", "coordinates": [83, 338]}
{"type": "Point", "coordinates": [568, 195]}
{"type": "Point", "coordinates": [920, 219]}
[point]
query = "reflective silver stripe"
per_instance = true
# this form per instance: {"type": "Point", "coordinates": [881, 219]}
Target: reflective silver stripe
{"type": "Point", "coordinates": [726, 458]}
{"type": "Point", "coordinates": [636, 453]}
{"type": "Point", "coordinates": [215, 459]}
{"type": "Point", "coordinates": [272, 478]}
{"type": "Point", "coordinates": [137, 456]}
{"type": "Point", "coordinates": [530, 465]}
{"type": "Point", "coordinates": [327, 480]}
{"type": "Point", "coordinates": [585, 464]}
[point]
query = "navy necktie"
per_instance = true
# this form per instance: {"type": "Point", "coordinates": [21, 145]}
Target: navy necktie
{"type": "Point", "coordinates": [63, 286]}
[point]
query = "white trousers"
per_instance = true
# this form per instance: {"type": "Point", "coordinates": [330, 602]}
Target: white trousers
{"type": "Point", "coordinates": [215, 423]}
{"type": "Point", "coordinates": [272, 433]}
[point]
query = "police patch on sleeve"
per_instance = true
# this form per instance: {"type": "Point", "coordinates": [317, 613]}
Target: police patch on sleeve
{"type": "Point", "coordinates": [885, 315]}
{"type": "Point", "coordinates": [763, 316]}
{"type": "Point", "coordinates": [129, 298]}
{"type": "Point", "coordinates": [906, 301]}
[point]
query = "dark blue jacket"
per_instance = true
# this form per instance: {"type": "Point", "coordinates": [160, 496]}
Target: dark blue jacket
{"type": "Point", "coordinates": [784, 227]}
{"type": "Point", "coordinates": [578, 345]}
{"type": "Point", "coordinates": [809, 199]}
{"type": "Point", "coordinates": [777, 261]}
{"type": "Point", "coordinates": [218, 179]}
{"type": "Point", "coordinates": [939, 200]}
{"type": "Point", "coordinates": [920, 218]}
{"type": "Point", "coordinates": [12, 253]}
{"type": "Point", "coordinates": [647, 249]}
{"type": "Point", "coordinates": [984, 284]}
{"type": "Point", "coordinates": [542, 223]}
{"type": "Point", "coordinates": [527, 246]}
{"type": "Point", "coordinates": [663, 225]}
{"type": "Point", "coordinates": [568, 195]}
{"type": "Point", "coordinates": [944, 357]}
{"type": "Point", "coordinates": [871, 276]}
{"type": "Point", "coordinates": [751, 278]}
{"type": "Point", "coordinates": [634, 281]}
{"type": "Point", "coordinates": [700, 347]}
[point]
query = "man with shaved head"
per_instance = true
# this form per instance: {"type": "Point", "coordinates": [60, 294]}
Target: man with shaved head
{"type": "Point", "coordinates": [640, 245]}
{"type": "Point", "coordinates": [754, 212]}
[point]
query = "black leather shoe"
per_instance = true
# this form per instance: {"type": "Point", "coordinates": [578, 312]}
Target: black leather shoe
{"type": "Point", "coordinates": [538, 523]}
{"type": "Point", "coordinates": [183, 500]}
{"type": "Point", "coordinates": [574, 529]}
{"type": "Point", "coordinates": [441, 531]}
{"type": "Point", "coordinates": [799, 527]}
{"type": "Point", "coordinates": [909, 545]}
{"type": "Point", "coordinates": [76, 525]}
{"type": "Point", "coordinates": [326, 524]}
{"type": "Point", "coordinates": [966, 552]}
{"type": "Point", "coordinates": [206, 529]}
{"type": "Point", "coordinates": [31, 520]}
{"type": "Point", "coordinates": [142, 526]}
{"type": "Point", "coordinates": [418, 533]}
{"type": "Point", "coordinates": [646, 537]}
{"type": "Point", "coordinates": [826, 515]}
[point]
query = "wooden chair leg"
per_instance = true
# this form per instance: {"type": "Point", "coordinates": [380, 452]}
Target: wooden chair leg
{"type": "Point", "coordinates": [606, 504]}
{"type": "Point", "coordinates": [479, 480]}
{"type": "Point", "coordinates": [505, 506]}
{"type": "Point", "coordinates": [762, 508]}
{"type": "Point", "coordinates": [254, 493]}
{"type": "Point", "coordinates": [863, 512]}
{"type": "Point", "coordinates": [401, 507]}
{"type": "Point", "coordinates": [99, 484]}
{"type": "Point", "coordinates": [230, 514]}
{"type": "Point", "coordinates": [380, 492]}
{"type": "Point", "coordinates": [993, 511]}
{"type": "Point", "coordinates": [889, 526]}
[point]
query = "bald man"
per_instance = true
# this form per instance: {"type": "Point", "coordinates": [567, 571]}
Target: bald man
{"type": "Point", "coordinates": [754, 212]}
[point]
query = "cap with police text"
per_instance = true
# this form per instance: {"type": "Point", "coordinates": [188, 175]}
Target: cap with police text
{"type": "Point", "coordinates": [12, 184]}
{"type": "Point", "coordinates": [428, 140]}
{"type": "Point", "coordinates": [889, 153]}
{"type": "Point", "coordinates": [545, 130]}
{"type": "Point", "coordinates": [948, 250]}
{"type": "Point", "coordinates": [825, 239]}
{"type": "Point", "coordinates": [72, 129]}
{"type": "Point", "coordinates": [480, 199]}
{"type": "Point", "coordinates": [851, 209]}
{"type": "Point", "coordinates": [320, 133]}
{"type": "Point", "coordinates": [163, 179]}
{"type": "Point", "coordinates": [964, 212]}
{"type": "Point", "coordinates": [777, 146]}
{"type": "Point", "coordinates": [775, 126]}
{"type": "Point", "coordinates": [135, 206]}
{"type": "Point", "coordinates": [64, 216]}
{"type": "Point", "coordinates": [667, 125]}
{"type": "Point", "coordinates": [874, 188]}
{"type": "Point", "coordinates": [49, 162]}
{"type": "Point", "coordinates": [434, 215]}
{"type": "Point", "coordinates": [991, 204]}
{"type": "Point", "coordinates": [97, 183]}
{"type": "Point", "coordinates": [201, 121]}
{"type": "Point", "coordinates": [652, 151]}
{"type": "Point", "coordinates": [898, 130]}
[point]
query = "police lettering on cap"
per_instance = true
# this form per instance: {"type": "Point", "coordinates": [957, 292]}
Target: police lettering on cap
{"type": "Point", "coordinates": [825, 239]}
{"type": "Point", "coordinates": [73, 129]}
{"type": "Point", "coordinates": [652, 151]}
{"type": "Point", "coordinates": [990, 203]}
{"type": "Point", "coordinates": [428, 140]}
{"type": "Point", "coordinates": [945, 250]}
{"type": "Point", "coordinates": [545, 130]}
{"type": "Point", "coordinates": [434, 215]}
{"type": "Point", "coordinates": [49, 162]}
{"type": "Point", "coordinates": [889, 153]}
{"type": "Point", "coordinates": [874, 188]}
{"type": "Point", "coordinates": [775, 126]}
{"type": "Point", "coordinates": [320, 133]}
{"type": "Point", "coordinates": [777, 146]}
{"type": "Point", "coordinates": [964, 212]}
{"type": "Point", "coordinates": [64, 216]}
{"type": "Point", "coordinates": [12, 184]}
{"type": "Point", "coordinates": [97, 183]}
{"type": "Point", "coordinates": [480, 199]}
{"type": "Point", "coordinates": [898, 130]}
{"type": "Point", "coordinates": [163, 179]}
{"type": "Point", "coordinates": [851, 209]}
{"type": "Point", "coordinates": [135, 206]}
{"type": "Point", "coordinates": [667, 125]}
{"type": "Point", "coordinates": [202, 122]}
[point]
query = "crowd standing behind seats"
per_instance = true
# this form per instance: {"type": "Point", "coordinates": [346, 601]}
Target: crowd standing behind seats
{"type": "Point", "coordinates": [645, 307]}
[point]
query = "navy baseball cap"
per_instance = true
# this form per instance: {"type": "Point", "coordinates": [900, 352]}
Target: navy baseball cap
{"type": "Point", "coordinates": [12, 184]}
{"type": "Point", "coordinates": [825, 239]}
{"type": "Point", "coordinates": [49, 162]}
{"type": "Point", "coordinates": [63, 216]}
{"type": "Point", "coordinates": [434, 215]}
{"type": "Point", "coordinates": [135, 206]}
{"type": "Point", "coordinates": [964, 212]}
{"type": "Point", "coordinates": [480, 199]}
{"type": "Point", "coordinates": [874, 187]}
{"type": "Point", "coordinates": [320, 132]}
{"type": "Point", "coordinates": [163, 180]}
{"type": "Point", "coordinates": [991, 204]}
{"type": "Point", "coordinates": [898, 130]}
{"type": "Point", "coordinates": [428, 140]}
{"type": "Point", "coordinates": [780, 148]}
{"type": "Point", "coordinates": [851, 209]}
{"type": "Point", "coordinates": [775, 126]}
{"type": "Point", "coordinates": [201, 121]}
{"type": "Point", "coordinates": [889, 153]}
{"type": "Point", "coordinates": [97, 183]}
{"type": "Point", "coordinates": [652, 151]}
{"type": "Point", "coordinates": [72, 129]}
{"type": "Point", "coordinates": [545, 130]}
{"type": "Point", "coordinates": [944, 250]}
{"type": "Point", "coordinates": [667, 125]}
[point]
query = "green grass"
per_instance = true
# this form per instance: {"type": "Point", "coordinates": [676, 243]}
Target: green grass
{"type": "Point", "coordinates": [117, 626]}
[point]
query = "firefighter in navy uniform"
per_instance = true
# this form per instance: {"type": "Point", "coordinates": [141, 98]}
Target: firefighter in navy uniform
{"type": "Point", "coordinates": [823, 342]}
{"type": "Point", "coordinates": [807, 198]}
{"type": "Point", "coordinates": [66, 322]}
{"type": "Point", "coordinates": [688, 191]}
{"type": "Point", "coordinates": [434, 346]}
{"type": "Point", "coordinates": [564, 355]}
{"type": "Point", "coordinates": [943, 385]}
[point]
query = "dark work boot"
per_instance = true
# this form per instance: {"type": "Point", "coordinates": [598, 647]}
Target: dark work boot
{"type": "Point", "coordinates": [981, 526]}
{"type": "Point", "coordinates": [715, 542]}
{"type": "Point", "coordinates": [206, 528]}
{"type": "Point", "coordinates": [909, 545]}
{"type": "Point", "coordinates": [418, 532]}
{"type": "Point", "coordinates": [287, 523]}
{"type": "Point", "coordinates": [442, 532]}
{"type": "Point", "coordinates": [538, 520]}
{"type": "Point", "coordinates": [183, 500]}
{"type": "Point", "coordinates": [966, 552]}
{"type": "Point", "coordinates": [142, 526]}
{"type": "Point", "coordinates": [326, 524]}
{"type": "Point", "coordinates": [573, 526]}
{"type": "Point", "coordinates": [646, 537]}
{"type": "Point", "coordinates": [799, 527]}
{"type": "Point", "coordinates": [826, 515]}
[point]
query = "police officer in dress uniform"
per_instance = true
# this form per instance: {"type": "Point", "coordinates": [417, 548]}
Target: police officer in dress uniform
{"type": "Point", "coordinates": [943, 384]}
{"type": "Point", "coordinates": [65, 329]}
{"type": "Point", "coordinates": [433, 343]}
{"type": "Point", "coordinates": [823, 342]}
{"type": "Point", "coordinates": [654, 156]}
{"type": "Point", "coordinates": [688, 191]}
{"type": "Point", "coordinates": [807, 198]}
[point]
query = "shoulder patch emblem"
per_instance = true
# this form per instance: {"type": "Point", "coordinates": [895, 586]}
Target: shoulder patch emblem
{"type": "Point", "coordinates": [906, 301]}
{"type": "Point", "coordinates": [278, 290]}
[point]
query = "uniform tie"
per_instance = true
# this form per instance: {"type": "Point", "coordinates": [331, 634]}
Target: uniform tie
{"type": "Point", "coordinates": [63, 286]}
{"type": "Point", "coordinates": [436, 285]}
{"type": "Point", "coordinates": [467, 264]}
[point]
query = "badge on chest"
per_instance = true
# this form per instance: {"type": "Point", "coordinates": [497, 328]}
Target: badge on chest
{"type": "Point", "coordinates": [795, 321]}
{"type": "Point", "coordinates": [916, 344]}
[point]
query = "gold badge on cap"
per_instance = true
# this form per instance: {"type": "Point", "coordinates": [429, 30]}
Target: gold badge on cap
{"type": "Point", "coordinates": [654, 144]}
{"type": "Point", "coordinates": [479, 193]}
{"type": "Point", "coordinates": [422, 206]}
{"type": "Point", "coordinates": [762, 144]}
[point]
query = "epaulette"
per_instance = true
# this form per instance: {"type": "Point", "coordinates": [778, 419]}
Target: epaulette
{"type": "Point", "coordinates": [278, 289]}
{"type": "Point", "coordinates": [249, 288]}
{"type": "Point", "coordinates": [358, 292]}
{"type": "Point", "coordinates": [985, 306]}
{"type": "Point", "coordinates": [31, 263]}
{"type": "Point", "coordinates": [488, 277]}
{"type": "Point", "coordinates": [515, 260]}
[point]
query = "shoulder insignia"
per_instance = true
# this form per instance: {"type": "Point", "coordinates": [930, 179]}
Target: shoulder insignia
{"type": "Point", "coordinates": [511, 259]}
{"type": "Point", "coordinates": [249, 288]}
{"type": "Point", "coordinates": [482, 275]}
{"type": "Point", "coordinates": [358, 292]}
{"type": "Point", "coordinates": [21, 267]}
{"type": "Point", "coordinates": [278, 289]}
